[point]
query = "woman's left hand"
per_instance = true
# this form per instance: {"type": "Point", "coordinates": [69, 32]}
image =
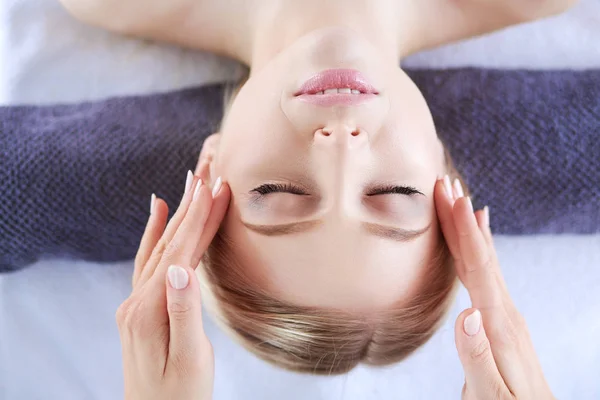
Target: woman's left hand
{"type": "Point", "coordinates": [492, 338]}
{"type": "Point", "coordinates": [166, 354]}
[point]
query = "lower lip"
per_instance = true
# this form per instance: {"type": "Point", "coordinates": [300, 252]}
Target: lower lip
{"type": "Point", "coordinates": [337, 78]}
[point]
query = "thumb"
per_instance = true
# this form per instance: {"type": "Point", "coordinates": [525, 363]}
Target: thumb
{"type": "Point", "coordinates": [187, 340]}
{"type": "Point", "coordinates": [482, 378]}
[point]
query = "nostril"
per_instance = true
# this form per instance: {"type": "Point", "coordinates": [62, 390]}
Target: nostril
{"type": "Point", "coordinates": [329, 132]}
{"type": "Point", "coordinates": [325, 132]}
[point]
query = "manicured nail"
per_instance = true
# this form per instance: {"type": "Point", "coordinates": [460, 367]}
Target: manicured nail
{"type": "Point", "coordinates": [188, 181]}
{"type": "Point", "coordinates": [178, 277]}
{"type": "Point", "coordinates": [472, 323]}
{"type": "Point", "coordinates": [217, 187]}
{"type": "Point", "coordinates": [486, 215]}
{"type": "Point", "coordinates": [152, 202]}
{"type": "Point", "coordinates": [458, 189]}
{"type": "Point", "coordinates": [448, 187]}
{"type": "Point", "coordinates": [197, 190]}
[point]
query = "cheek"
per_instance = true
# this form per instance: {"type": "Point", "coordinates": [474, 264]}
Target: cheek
{"type": "Point", "coordinates": [255, 125]}
{"type": "Point", "coordinates": [261, 146]}
{"type": "Point", "coordinates": [410, 149]}
{"type": "Point", "coordinates": [257, 153]}
{"type": "Point", "coordinates": [411, 120]}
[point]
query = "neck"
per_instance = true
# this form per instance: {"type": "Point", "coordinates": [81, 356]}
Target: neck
{"type": "Point", "coordinates": [276, 28]}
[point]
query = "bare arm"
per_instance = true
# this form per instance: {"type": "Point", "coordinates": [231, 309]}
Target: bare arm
{"type": "Point", "coordinates": [221, 26]}
{"type": "Point", "coordinates": [445, 21]}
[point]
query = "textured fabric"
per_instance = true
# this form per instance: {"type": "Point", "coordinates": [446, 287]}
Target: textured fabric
{"type": "Point", "coordinates": [76, 179]}
{"type": "Point", "coordinates": [527, 143]}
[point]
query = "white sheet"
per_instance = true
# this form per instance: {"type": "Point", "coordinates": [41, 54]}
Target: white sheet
{"type": "Point", "coordinates": [58, 339]}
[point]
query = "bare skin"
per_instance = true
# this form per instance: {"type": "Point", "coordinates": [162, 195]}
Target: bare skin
{"type": "Point", "coordinates": [235, 27]}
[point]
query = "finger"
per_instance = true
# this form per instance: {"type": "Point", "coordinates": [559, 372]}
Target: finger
{"type": "Point", "coordinates": [182, 250]}
{"type": "Point", "coordinates": [199, 227]}
{"type": "Point", "coordinates": [188, 344]}
{"type": "Point", "coordinates": [504, 325]}
{"type": "Point", "coordinates": [186, 200]}
{"type": "Point", "coordinates": [220, 204]}
{"type": "Point", "coordinates": [170, 230]}
{"type": "Point", "coordinates": [155, 227]}
{"type": "Point", "coordinates": [483, 218]}
{"type": "Point", "coordinates": [482, 377]}
{"type": "Point", "coordinates": [479, 276]}
{"type": "Point", "coordinates": [483, 221]}
{"type": "Point", "coordinates": [444, 202]}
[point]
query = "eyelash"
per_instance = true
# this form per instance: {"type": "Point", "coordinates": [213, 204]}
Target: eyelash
{"type": "Point", "coordinates": [392, 189]}
{"type": "Point", "coordinates": [268, 188]}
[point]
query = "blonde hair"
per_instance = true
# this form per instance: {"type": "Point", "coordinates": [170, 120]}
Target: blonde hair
{"type": "Point", "coordinates": [322, 341]}
{"type": "Point", "coordinates": [318, 340]}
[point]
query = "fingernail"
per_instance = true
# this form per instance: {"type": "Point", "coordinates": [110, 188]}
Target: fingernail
{"type": "Point", "coordinates": [188, 181]}
{"type": "Point", "coordinates": [486, 214]}
{"type": "Point", "coordinates": [217, 187]}
{"type": "Point", "coordinates": [470, 204]}
{"type": "Point", "coordinates": [152, 202]}
{"type": "Point", "coordinates": [197, 190]}
{"type": "Point", "coordinates": [472, 323]}
{"type": "Point", "coordinates": [448, 187]}
{"type": "Point", "coordinates": [458, 188]}
{"type": "Point", "coordinates": [178, 277]}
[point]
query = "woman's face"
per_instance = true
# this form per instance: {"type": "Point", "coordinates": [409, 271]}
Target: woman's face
{"type": "Point", "coordinates": [332, 200]}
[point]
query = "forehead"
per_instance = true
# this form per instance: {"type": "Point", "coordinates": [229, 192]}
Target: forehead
{"type": "Point", "coordinates": [334, 266]}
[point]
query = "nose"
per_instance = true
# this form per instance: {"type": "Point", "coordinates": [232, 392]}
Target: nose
{"type": "Point", "coordinates": [342, 135]}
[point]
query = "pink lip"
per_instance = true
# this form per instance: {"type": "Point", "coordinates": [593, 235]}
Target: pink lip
{"type": "Point", "coordinates": [336, 79]}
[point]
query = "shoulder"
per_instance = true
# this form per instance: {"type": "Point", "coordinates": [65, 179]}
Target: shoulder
{"type": "Point", "coordinates": [444, 21]}
{"type": "Point", "coordinates": [209, 25]}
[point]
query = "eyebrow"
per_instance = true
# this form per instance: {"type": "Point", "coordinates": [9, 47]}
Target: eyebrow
{"type": "Point", "coordinates": [393, 233]}
{"type": "Point", "coordinates": [283, 229]}
{"type": "Point", "coordinates": [383, 231]}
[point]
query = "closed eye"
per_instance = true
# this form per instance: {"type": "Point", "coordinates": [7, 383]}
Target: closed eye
{"type": "Point", "coordinates": [268, 188]}
{"type": "Point", "coordinates": [392, 189]}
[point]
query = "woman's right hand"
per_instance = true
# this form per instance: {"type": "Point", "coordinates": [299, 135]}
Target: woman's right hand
{"type": "Point", "coordinates": [166, 353]}
{"type": "Point", "coordinates": [492, 339]}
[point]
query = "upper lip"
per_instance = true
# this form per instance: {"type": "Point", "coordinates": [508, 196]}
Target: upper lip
{"type": "Point", "coordinates": [336, 79]}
